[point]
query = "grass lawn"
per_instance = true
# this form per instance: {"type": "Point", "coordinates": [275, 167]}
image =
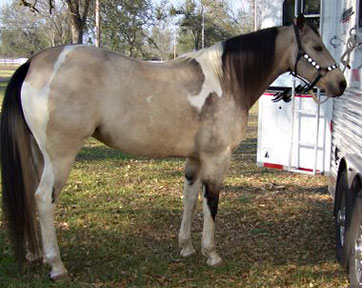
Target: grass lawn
{"type": "Point", "coordinates": [118, 219]}
{"type": "Point", "coordinates": [5, 74]}
{"type": "Point", "coordinates": [2, 89]}
{"type": "Point", "coordinates": [2, 92]}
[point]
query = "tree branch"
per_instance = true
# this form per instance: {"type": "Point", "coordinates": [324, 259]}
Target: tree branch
{"type": "Point", "coordinates": [32, 6]}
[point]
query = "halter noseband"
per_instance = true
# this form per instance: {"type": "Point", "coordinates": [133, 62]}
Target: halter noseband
{"type": "Point", "coordinates": [286, 94]}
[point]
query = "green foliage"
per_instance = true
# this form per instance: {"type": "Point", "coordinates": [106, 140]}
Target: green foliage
{"type": "Point", "coordinates": [160, 36]}
{"type": "Point", "coordinates": [20, 35]}
{"type": "Point", "coordinates": [24, 32]}
{"type": "Point", "coordinates": [160, 41]}
{"type": "Point", "coordinates": [123, 25]}
{"type": "Point", "coordinates": [213, 16]}
{"type": "Point", "coordinates": [137, 28]}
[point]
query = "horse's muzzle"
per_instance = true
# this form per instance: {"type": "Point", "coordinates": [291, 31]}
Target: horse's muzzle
{"type": "Point", "coordinates": [336, 89]}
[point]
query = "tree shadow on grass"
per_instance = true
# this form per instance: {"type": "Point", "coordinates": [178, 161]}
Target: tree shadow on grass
{"type": "Point", "coordinates": [147, 248]}
{"type": "Point", "coordinates": [246, 150]}
{"type": "Point", "coordinates": [101, 153]}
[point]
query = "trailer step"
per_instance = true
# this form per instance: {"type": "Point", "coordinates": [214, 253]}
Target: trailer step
{"type": "Point", "coordinates": [306, 113]}
{"type": "Point", "coordinates": [306, 144]}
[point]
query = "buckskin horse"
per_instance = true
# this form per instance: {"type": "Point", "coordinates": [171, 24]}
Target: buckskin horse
{"type": "Point", "coordinates": [195, 106]}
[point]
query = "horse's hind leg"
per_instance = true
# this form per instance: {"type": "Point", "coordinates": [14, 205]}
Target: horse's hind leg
{"type": "Point", "coordinates": [192, 186]}
{"type": "Point", "coordinates": [35, 256]}
{"type": "Point", "coordinates": [55, 174]}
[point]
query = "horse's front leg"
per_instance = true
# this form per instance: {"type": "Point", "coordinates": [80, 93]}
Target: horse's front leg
{"type": "Point", "coordinates": [210, 204]}
{"type": "Point", "coordinates": [213, 171]}
{"type": "Point", "coordinates": [192, 185]}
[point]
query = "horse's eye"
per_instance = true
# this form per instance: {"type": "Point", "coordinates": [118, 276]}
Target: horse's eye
{"type": "Point", "coordinates": [318, 48]}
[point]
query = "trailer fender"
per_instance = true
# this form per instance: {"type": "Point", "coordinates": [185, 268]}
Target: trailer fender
{"type": "Point", "coordinates": [354, 169]}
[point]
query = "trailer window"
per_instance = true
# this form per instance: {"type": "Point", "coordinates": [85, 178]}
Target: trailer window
{"type": "Point", "coordinates": [360, 14]}
{"type": "Point", "coordinates": [310, 8]}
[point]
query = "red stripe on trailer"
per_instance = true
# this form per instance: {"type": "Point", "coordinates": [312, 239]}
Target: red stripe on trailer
{"type": "Point", "coordinates": [307, 170]}
{"type": "Point", "coordinates": [298, 96]}
{"type": "Point", "coordinates": [281, 167]}
{"type": "Point", "coordinates": [304, 96]}
{"type": "Point", "coordinates": [275, 166]}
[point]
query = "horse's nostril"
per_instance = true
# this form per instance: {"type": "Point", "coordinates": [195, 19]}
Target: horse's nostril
{"type": "Point", "coordinates": [342, 85]}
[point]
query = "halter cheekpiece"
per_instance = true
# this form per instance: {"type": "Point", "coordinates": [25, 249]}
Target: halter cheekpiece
{"type": "Point", "coordinates": [286, 94]}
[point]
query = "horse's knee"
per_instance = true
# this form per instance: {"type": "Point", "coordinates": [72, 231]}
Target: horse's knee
{"type": "Point", "coordinates": [190, 177]}
{"type": "Point", "coordinates": [192, 171]}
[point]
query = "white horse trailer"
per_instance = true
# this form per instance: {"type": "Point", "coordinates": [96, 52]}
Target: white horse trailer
{"type": "Point", "coordinates": [306, 137]}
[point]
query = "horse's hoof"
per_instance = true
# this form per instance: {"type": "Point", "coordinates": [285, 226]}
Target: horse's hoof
{"type": "Point", "coordinates": [59, 277]}
{"type": "Point", "coordinates": [187, 251]}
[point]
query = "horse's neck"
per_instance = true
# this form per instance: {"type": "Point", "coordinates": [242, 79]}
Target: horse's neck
{"type": "Point", "coordinates": [280, 65]}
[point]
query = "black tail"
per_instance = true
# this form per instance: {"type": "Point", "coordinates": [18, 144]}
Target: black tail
{"type": "Point", "coordinates": [17, 170]}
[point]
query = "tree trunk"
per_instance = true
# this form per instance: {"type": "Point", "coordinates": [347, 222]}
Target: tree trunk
{"type": "Point", "coordinates": [196, 37]}
{"type": "Point", "coordinates": [98, 24]}
{"type": "Point", "coordinates": [77, 30]}
{"type": "Point", "coordinates": [77, 20]}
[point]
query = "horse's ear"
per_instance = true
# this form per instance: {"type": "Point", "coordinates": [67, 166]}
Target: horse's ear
{"type": "Point", "coordinates": [300, 22]}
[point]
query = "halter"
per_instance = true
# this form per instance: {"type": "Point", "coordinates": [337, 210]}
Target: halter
{"type": "Point", "coordinates": [286, 94]}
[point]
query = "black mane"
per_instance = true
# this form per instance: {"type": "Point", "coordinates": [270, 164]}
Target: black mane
{"type": "Point", "coordinates": [247, 60]}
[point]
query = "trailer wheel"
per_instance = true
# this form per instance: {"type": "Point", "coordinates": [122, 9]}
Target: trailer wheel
{"type": "Point", "coordinates": [354, 239]}
{"type": "Point", "coordinates": [344, 204]}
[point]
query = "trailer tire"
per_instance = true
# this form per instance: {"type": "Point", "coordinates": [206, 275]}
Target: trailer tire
{"type": "Point", "coordinates": [354, 241]}
{"type": "Point", "coordinates": [343, 211]}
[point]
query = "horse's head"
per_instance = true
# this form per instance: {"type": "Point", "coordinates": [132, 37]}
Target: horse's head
{"type": "Point", "coordinates": [312, 61]}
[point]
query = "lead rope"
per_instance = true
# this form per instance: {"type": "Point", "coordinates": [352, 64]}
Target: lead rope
{"type": "Point", "coordinates": [351, 44]}
{"type": "Point", "coordinates": [345, 59]}
{"type": "Point", "coordinates": [318, 101]}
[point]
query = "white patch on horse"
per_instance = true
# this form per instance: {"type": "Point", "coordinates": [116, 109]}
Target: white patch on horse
{"type": "Point", "coordinates": [210, 62]}
{"type": "Point", "coordinates": [35, 101]}
{"type": "Point", "coordinates": [149, 99]}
